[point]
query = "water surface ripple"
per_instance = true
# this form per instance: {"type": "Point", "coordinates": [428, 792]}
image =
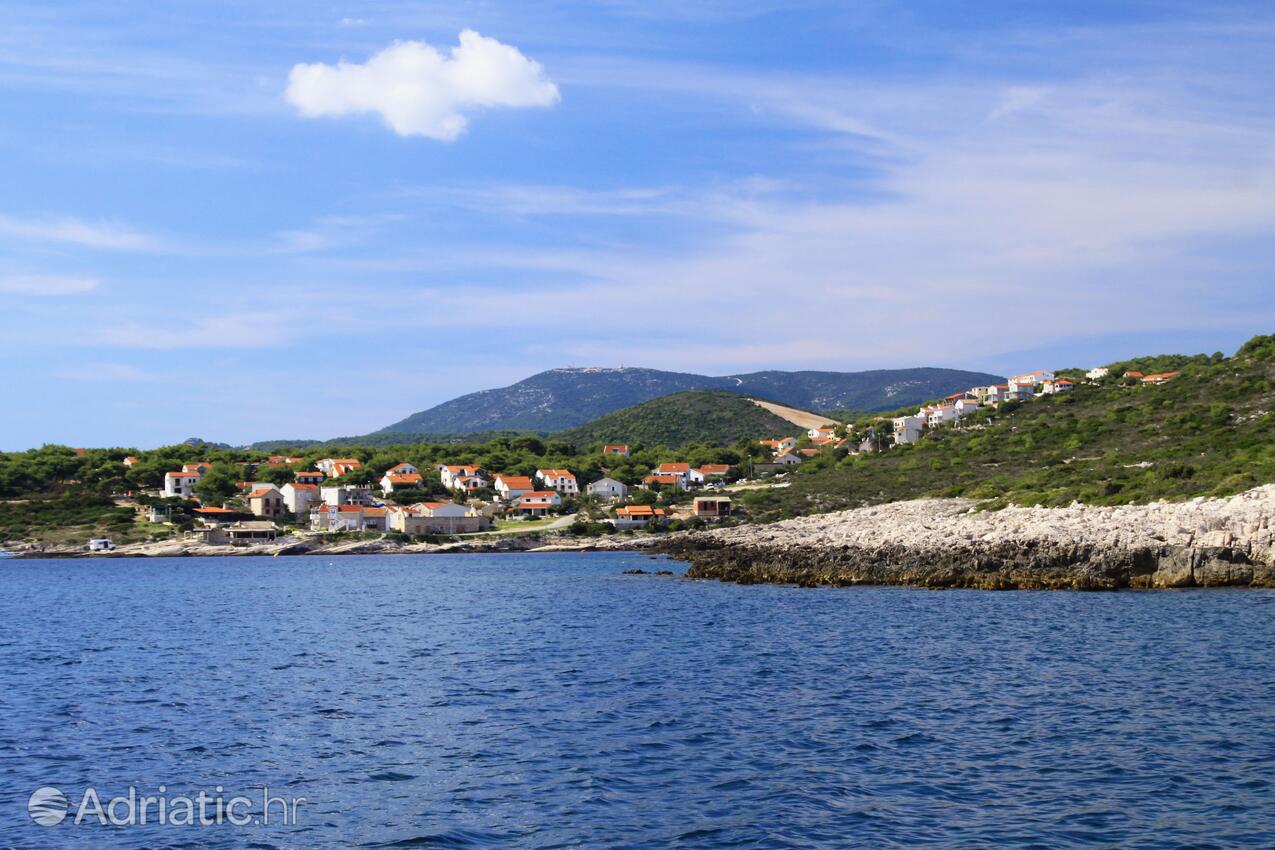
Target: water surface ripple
{"type": "Point", "coordinates": [547, 701]}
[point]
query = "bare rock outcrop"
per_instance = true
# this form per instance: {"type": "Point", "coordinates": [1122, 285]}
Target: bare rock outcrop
{"type": "Point", "coordinates": [951, 543]}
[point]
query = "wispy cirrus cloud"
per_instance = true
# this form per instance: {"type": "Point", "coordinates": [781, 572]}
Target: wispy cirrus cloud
{"type": "Point", "coordinates": [73, 231]}
{"type": "Point", "coordinates": [47, 285]}
{"type": "Point", "coordinates": [417, 91]}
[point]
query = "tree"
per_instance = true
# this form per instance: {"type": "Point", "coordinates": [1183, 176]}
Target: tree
{"type": "Point", "coordinates": [216, 485]}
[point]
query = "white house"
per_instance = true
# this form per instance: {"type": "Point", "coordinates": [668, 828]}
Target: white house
{"type": "Point", "coordinates": [941, 414]}
{"type": "Point", "coordinates": [537, 503]}
{"type": "Point", "coordinates": [682, 471]}
{"type": "Point", "coordinates": [299, 497]}
{"type": "Point", "coordinates": [821, 433]}
{"type": "Point", "coordinates": [402, 469]}
{"type": "Point", "coordinates": [451, 475]}
{"type": "Point", "coordinates": [713, 471]}
{"type": "Point", "coordinates": [965, 406]}
{"type": "Point", "coordinates": [788, 458]}
{"type": "Point", "coordinates": [558, 479]}
{"type": "Point", "coordinates": [327, 464]}
{"type": "Point", "coordinates": [348, 495]}
{"type": "Point", "coordinates": [180, 485]}
{"type": "Point", "coordinates": [392, 481]}
{"type": "Point", "coordinates": [639, 516]}
{"type": "Point", "coordinates": [907, 429]}
{"type": "Point", "coordinates": [510, 487]}
{"type": "Point", "coordinates": [607, 488]}
{"type": "Point", "coordinates": [437, 518]}
{"type": "Point", "coordinates": [1019, 392]}
{"type": "Point", "coordinates": [1062, 385]}
{"type": "Point", "coordinates": [1097, 373]}
{"type": "Point", "coordinates": [1031, 379]}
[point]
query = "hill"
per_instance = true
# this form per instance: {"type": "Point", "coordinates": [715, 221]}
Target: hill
{"type": "Point", "coordinates": [566, 398]}
{"type": "Point", "coordinates": [717, 417]}
{"type": "Point", "coordinates": [1209, 432]}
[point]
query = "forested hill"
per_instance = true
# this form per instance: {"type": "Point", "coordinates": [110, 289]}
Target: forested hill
{"type": "Point", "coordinates": [715, 417]}
{"type": "Point", "coordinates": [567, 398]}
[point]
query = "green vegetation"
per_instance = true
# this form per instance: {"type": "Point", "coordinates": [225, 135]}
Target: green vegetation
{"type": "Point", "coordinates": [1209, 432]}
{"type": "Point", "coordinates": [705, 416]}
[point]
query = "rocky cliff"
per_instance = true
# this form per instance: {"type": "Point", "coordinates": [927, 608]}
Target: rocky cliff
{"type": "Point", "coordinates": [950, 543]}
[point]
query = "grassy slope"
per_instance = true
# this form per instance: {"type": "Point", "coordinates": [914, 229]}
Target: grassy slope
{"type": "Point", "coordinates": [710, 416]}
{"type": "Point", "coordinates": [1209, 432]}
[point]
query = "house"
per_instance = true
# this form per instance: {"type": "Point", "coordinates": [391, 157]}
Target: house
{"type": "Point", "coordinates": [470, 483]}
{"type": "Point", "coordinates": [1062, 385]}
{"type": "Point", "coordinates": [779, 444]}
{"type": "Point", "coordinates": [965, 406]}
{"type": "Point", "coordinates": [339, 469]}
{"type": "Point", "coordinates": [201, 467]}
{"type": "Point", "coordinates": [297, 498]}
{"type": "Point", "coordinates": [451, 475]}
{"type": "Point", "coordinates": [310, 477]}
{"type": "Point", "coordinates": [940, 415]}
{"type": "Point", "coordinates": [807, 453]}
{"type": "Point", "coordinates": [1097, 373]}
{"type": "Point", "coordinates": [821, 433]}
{"type": "Point", "coordinates": [713, 471]}
{"type": "Point", "coordinates": [1161, 378]}
{"type": "Point", "coordinates": [510, 487]}
{"type": "Point", "coordinates": [180, 485]}
{"type": "Point", "coordinates": [402, 469]}
{"type": "Point", "coordinates": [907, 429]}
{"type": "Point", "coordinates": [1019, 392]}
{"type": "Point", "coordinates": [655, 480]}
{"type": "Point", "coordinates": [681, 470]}
{"type": "Point", "coordinates": [374, 518]}
{"type": "Point", "coordinates": [266, 501]}
{"type": "Point", "coordinates": [400, 481]}
{"type": "Point", "coordinates": [346, 495]}
{"type": "Point", "coordinates": [711, 507]}
{"type": "Point", "coordinates": [558, 479]}
{"type": "Point", "coordinates": [536, 503]}
{"type": "Point", "coordinates": [787, 458]}
{"type": "Point", "coordinates": [131, 461]}
{"type": "Point", "coordinates": [997, 394]}
{"type": "Point", "coordinates": [327, 464]}
{"type": "Point", "coordinates": [608, 489]}
{"type": "Point", "coordinates": [219, 516]}
{"type": "Point", "coordinates": [1136, 375]}
{"type": "Point", "coordinates": [248, 533]}
{"type": "Point", "coordinates": [619, 449]}
{"type": "Point", "coordinates": [639, 516]}
{"type": "Point", "coordinates": [437, 518]}
{"type": "Point", "coordinates": [326, 517]}
{"type": "Point", "coordinates": [159, 514]}
{"type": "Point", "coordinates": [1031, 379]}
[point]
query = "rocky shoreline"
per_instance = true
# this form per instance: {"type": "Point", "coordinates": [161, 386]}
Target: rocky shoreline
{"type": "Point", "coordinates": [949, 543]}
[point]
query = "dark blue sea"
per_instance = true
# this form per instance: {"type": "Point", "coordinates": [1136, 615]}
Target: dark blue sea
{"type": "Point", "coordinates": [539, 701]}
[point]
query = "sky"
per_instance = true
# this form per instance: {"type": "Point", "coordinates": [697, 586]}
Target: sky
{"type": "Point", "coordinates": [256, 219]}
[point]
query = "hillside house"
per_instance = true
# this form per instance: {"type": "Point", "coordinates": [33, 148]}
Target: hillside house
{"type": "Point", "coordinates": [618, 449]}
{"type": "Point", "coordinates": [940, 415]}
{"type": "Point", "coordinates": [1031, 379]}
{"type": "Point", "coordinates": [1020, 392]}
{"type": "Point", "coordinates": [639, 516]}
{"type": "Point", "coordinates": [558, 479]}
{"type": "Point", "coordinates": [266, 501]}
{"type": "Point", "coordinates": [1161, 378]}
{"type": "Point", "coordinates": [779, 444]}
{"type": "Point", "coordinates": [786, 458]}
{"type": "Point", "coordinates": [965, 406]}
{"type": "Point", "coordinates": [656, 480]}
{"type": "Point", "coordinates": [402, 469]}
{"type": "Point", "coordinates": [451, 475]}
{"type": "Point", "coordinates": [1097, 373]}
{"type": "Point", "coordinates": [607, 489]}
{"type": "Point", "coordinates": [511, 487]}
{"type": "Point", "coordinates": [821, 433]}
{"type": "Point", "coordinates": [201, 467]}
{"type": "Point", "coordinates": [1061, 385]}
{"type": "Point", "coordinates": [131, 461]}
{"type": "Point", "coordinates": [327, 464]}
{"type": "Point", "coordinates": [180, 485]}
{"type": "Point", "coordinates": [298, 498]}
{"type": "Point", "coordinates": [1134, 375]}
{"type": "Point", "coordinates": [711, 507]}
{"type": "Point", "coordinates": [400, 481]}
{"type": "Point", "coordinates": [713, 471]}
{"type": "Point", "coordinates": [310, 476]}
{"type": "Point", "coordinates": [907, 429]}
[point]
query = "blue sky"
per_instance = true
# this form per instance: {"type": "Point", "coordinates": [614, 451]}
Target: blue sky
{"type": "Point", "coordinates": [250, 220]}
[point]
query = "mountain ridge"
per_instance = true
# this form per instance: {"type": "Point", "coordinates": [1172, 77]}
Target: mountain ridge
{"type": "Point", "coordinates": [564, 398]}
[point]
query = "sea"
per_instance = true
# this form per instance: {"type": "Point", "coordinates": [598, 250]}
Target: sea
{"type": "Point", "coordinates": [554, 701]}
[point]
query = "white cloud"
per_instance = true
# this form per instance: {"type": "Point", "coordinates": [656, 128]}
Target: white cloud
{"type": "Point", "coordinates": [46, 285]}
{"type": "Point", "coordinates": [418, 91]}
{"type": "Point", "coordinates": [76, 232]}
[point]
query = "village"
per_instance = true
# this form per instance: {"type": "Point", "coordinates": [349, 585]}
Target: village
{"type": "Point", "coordinates": [321, 499]}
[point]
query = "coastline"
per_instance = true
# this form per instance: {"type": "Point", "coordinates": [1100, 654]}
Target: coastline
{"type": "Point", "coordinates": [949, 543]}
{"type": "Point", "coordinates": [933, 543]}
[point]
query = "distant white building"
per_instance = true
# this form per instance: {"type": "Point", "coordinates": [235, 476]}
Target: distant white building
{"type": "Point", "coordinates": [337, 496]}
{"type": "Point", "coordinates": [1098, 373]}
{"type": "Point", "coordinates": [907, 429]}
{"type": "Point", "coordinates": [941, 414]}
{"type": "Point", "coordinates": [558, 479]}
{"type": "Point", "coordinates": [510, 487]}
{"type": "Point", "coordinates": [608, 489]}
{"type": "Point", "coordinates": [1061, 385]}
{"type": "Point", "coordinates": [299, 497]}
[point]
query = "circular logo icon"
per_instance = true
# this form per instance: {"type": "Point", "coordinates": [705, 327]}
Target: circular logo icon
{"type": "Point", "coordinates": [47, 806]}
